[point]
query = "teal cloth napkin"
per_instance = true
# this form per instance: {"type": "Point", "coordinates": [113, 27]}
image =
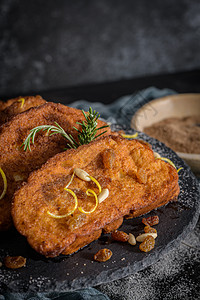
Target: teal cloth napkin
{"type": "Point", "coordinates": [83, 294]}
{"type": "Point", "coordinates": [120, 112]}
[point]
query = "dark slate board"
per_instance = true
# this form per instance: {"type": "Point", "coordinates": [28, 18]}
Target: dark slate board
{"type": "Point", "coordinates": [79, 270]}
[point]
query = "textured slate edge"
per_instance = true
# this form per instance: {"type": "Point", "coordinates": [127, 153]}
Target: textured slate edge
{"type": "Point", "coordinates": [49, 285]}
{"type": "Point", "coordinates": [114, 274]}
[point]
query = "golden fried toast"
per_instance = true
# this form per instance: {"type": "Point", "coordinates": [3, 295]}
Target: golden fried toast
{"type": "Point", "coordinates": [17, 163]}
{"type": "Point", "coordinates": [18, 105]}
{"type": "Point", "coordinates": [137, 183]}
{"type": "Point", "coordinates": [5, 104]}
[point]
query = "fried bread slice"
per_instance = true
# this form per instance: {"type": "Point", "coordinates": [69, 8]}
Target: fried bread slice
{"type": "Point", "coordinates": [5, 104]}
{"type": "Point", "coordinates": [17, 163]}
{"type": "Point", "coordinates": [137, 183]}
{"type": "Point", "coordinates": [18, 105]}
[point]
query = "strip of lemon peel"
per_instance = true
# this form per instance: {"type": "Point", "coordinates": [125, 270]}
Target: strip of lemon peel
{"type": "Point", "coordinates": [167, 160]}
{"type": "Point", "coordinates": [129, 136]}
{"type": "Point", "coordinates": [69, 213]}
{"type": "Point", "coordinates": [97, 183]}
{"type": "Point", "coordinates": [4, 183]}
{"type": "Point", "coordinates": [22, 100]}
{"type": "Point", "coordinates": [89, 192]}
{"type": "Point", "coordinates": [69, 181]}
{"type": "Point", "coordinates": [170, 162]}
{"type": "Point", "coordinates": [179, 169]}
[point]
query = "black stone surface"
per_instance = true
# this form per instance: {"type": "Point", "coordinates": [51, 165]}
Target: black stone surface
{"type": "Point", "coordinates": [53, 44]}
{"type": "Point", "coordinates": [79, 270]}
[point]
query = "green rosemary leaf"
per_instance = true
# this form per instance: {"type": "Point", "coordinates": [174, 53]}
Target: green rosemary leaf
{"type": "Point", "coordinates": [85, 114]}
{"type": "Point", "coordinates": [102, 127]}
{"type": "Point", "coordinates": [89, 130]}
{"type": "Point", "coordinates": [86, 134]}
{"type": "Point", "coordinates": [100, 134]}
{"type": "Point", "coordinates": [77, 129]}
{"type": "Point", "coordinates": [48, 128]}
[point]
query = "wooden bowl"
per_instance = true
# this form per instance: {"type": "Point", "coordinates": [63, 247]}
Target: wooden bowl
{"type": "Point", "coordinates": [181, 105]}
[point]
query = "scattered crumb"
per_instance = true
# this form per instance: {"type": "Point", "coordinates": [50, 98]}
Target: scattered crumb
{"type": "Point", "coordinates": [167, 279]}
{"type": "Point", "coordinates": [14, 262]}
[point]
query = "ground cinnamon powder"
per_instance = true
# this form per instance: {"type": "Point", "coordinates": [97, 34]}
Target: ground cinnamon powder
{"type": "Point", "coordinates": [180, 134]}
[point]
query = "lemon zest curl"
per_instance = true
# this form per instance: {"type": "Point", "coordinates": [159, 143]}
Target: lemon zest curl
{"type": "Point", "coordinates": [129, 136]}
{"type": "Point", "coordinates": [69, 213]}
{"type": "Point", "coordinates": [22, 100]}
{"type": "Point", "coordinates": [4, 182]}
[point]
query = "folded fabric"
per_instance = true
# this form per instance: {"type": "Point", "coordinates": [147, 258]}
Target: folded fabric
{"type": "Point", "coordinates": [83, 294]}
{"type": "Point", "coordinates": [122, 110]}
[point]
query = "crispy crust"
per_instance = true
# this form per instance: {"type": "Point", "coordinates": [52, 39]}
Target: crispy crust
{"type": "Point", "coordinates": [136, 181]}
{"type": "Point", "coordinates": [13, 107]}
{"type": "Point", "coordinates": [171, 194]}
{"type": "Point", "coordinates": [15, 162]}
{"type": "Point", "coordinates": [82, 241]}
{"type": "Point", "coordinates": [114, 225]}
{"type": "Point", "coordinates": [5, 104]}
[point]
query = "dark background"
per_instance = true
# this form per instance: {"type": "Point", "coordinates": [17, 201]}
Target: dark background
{"type": "Point", "coordinates": [100, 50]}
{"type": "Point", "coordinates": [48, 45]}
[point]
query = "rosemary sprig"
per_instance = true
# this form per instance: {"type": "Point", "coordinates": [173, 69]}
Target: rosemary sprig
{"type": "Point", "coordinates": [85, 135]}
{"type": "Point", "coordinates": [48, 128]}
{"type": "Point", "coordinates": [88, 129]}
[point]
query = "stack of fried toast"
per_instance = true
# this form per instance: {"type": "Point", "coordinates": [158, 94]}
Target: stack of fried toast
{"type": "Point", "coordinates": [62, 199]}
